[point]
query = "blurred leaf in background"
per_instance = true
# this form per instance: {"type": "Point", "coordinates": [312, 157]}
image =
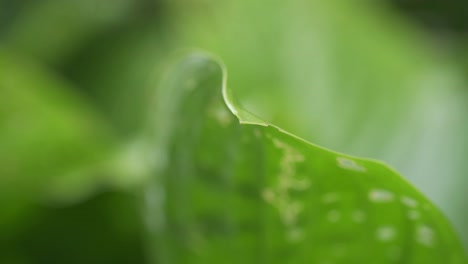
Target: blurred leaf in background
{"type": "Point", "coordinates": [51, 141]}
{"type": "Point", "coordinates": [77, 80]}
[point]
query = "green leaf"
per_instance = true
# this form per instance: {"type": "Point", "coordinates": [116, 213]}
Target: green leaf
{"type": "Point", "coordinates": [52, 145]}
{"type": "Point", "coordinates": [231, 188]}
{"type": "Point", "coordinates": [54, 31]}
{"type": "Point", "coordinates": [345, 75]}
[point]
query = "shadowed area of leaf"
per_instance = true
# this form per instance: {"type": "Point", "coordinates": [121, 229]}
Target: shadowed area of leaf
{"type": "Point", "coordinates": [231, 188]}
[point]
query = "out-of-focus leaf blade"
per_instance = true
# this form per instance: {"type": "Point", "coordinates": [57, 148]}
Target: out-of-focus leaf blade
{"type": "Point", "coordinates": [118, 74]}
{"type": "Point", "coordinates": [245, 191]}
{"type": "Point", "coordinates": [51, 143]}
{"type": "Point", "coordinates": [54, 30]}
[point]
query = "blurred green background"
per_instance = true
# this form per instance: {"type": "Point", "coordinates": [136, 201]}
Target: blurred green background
{"type": "Point", "coordinates": [380, 79]}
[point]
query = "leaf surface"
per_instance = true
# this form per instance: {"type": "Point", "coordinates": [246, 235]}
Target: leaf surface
{"type": "Point", "coordinates": [232, 188]}
{"type": "Point", "coordinates": [51, 143]}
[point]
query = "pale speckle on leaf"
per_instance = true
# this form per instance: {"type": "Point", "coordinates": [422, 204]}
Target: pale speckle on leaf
{"type": "Point", "coordinates": [380, 196]}
{"type": "Point", "coordinates": [268, 195]}
{"type": "Point", "coordinates": [349, 164]}
{"type": "Point", "coordinates": [331, 197]}
{"type": "Point", "coordinates": [425, 235]}
{"type": "Point", "coordinates": [413, 214]}
{"type": "Point", "coordinates": [408, 201]}
{"type": "Point", "coordinates": [295, 235]}
{"type": "Point", "coordinates": [385, 233]}
{"type": "Point", "coordinates": [221, 114]}
{"type": "Point", "coordinates": [279, 195]}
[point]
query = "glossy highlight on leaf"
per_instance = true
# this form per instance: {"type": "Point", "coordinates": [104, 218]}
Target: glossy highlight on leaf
{"type": "Point", "coordinates": [235, 189]}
